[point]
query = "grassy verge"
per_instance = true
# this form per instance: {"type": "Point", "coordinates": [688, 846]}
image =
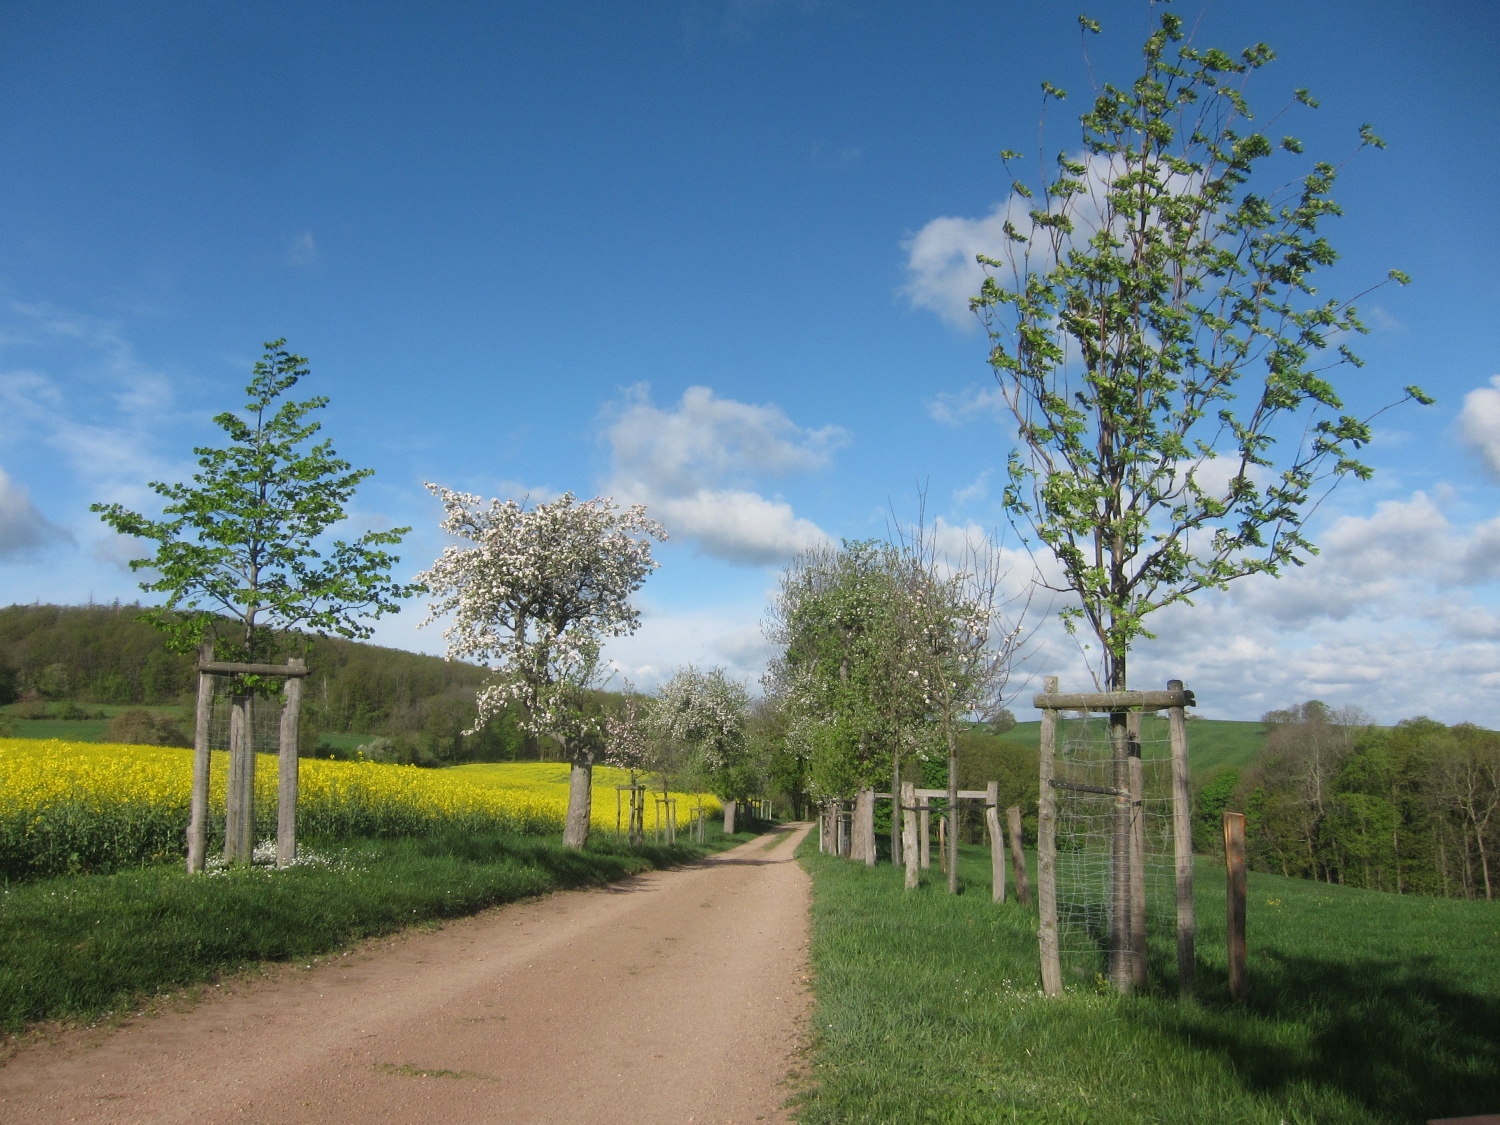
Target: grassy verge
{"type": "Point", "coordinates": [77, 946]}
{"type": "Point", "coordinates": [1365, 1008]}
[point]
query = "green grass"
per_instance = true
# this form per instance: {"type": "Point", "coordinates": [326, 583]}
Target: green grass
{"type": "Point", "coordinates": [1213, 744]}
{"type": "Point", "coordinates": [78, 946]}
{"type": "Point", "coordinates": [80, 730]}
{"type": "Point", "coordinates": [1364, 1008]}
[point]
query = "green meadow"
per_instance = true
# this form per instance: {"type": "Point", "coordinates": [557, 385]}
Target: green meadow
{"type": "Point", "coordinates": [1364, 1007]}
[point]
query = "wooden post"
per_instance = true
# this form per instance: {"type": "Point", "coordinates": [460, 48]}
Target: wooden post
{"type": "Point", "coordinates": [1018, 855]}
{"type": "Point", "coordinates": [197, 834]}
{"type": "Point", "coordinates": [1234, 862]}
{"type": "Point", "coordinates": [924, 817]}
{"type": "Point", "coordinates": [239, 818]}
{"type": "Point", "coordinates": [1119, 853]}
{"type": "Point", "coordinates": [864, 826]}
{"type": "Point", "coordinates": [950, 820]}
{"type": "Point", "coordinates": [1182, 846]}
{"type": "Point", "coordinates": [1046, 853]}
{"type": "Point", "coordinates": [1135, 772]}
{"type": "Point", "coordinates": [896, 822]}
{"type": "Point", "coordinates": [997, 841]}
{"type": "Point", "coordinates": [908, 807]}
{"type": "Point", "coordinates": [729, 818]}
{"type": "Point", "coordinates": [286, 781]}
{"type": "Point", "coordinates": [943, 848]}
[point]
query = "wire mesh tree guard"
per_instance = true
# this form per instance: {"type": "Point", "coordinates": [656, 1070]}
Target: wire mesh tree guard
{"type": "Point", "coordinates": [230, 718]}
{"type": "Point", "coordinates": [1114, 846]}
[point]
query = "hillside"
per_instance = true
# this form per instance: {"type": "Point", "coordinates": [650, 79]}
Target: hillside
{"type": "Point", "coordinates": [68, 671]}
{"type": "Point", "coordinates": [1213, 744]}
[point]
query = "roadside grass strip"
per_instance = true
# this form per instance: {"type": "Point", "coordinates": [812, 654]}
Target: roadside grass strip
{"type": "Point", "coordinates": [79, 946]}
{"type": "Point", "coordinates": [98, 807]}
{"type": "Point", "coordinates": [1364, 1007]}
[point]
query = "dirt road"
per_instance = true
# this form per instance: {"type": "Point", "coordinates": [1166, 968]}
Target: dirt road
{"type": "Point", "coordinates": [678, 996]}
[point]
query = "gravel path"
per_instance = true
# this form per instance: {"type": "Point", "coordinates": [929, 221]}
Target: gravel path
{"type": "Point", "coordinates": [677, 996]}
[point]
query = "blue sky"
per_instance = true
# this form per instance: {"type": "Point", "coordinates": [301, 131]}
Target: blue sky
{"type": "Point", "coordinates": [671, 251]}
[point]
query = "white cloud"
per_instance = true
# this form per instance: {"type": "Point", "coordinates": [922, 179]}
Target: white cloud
{"type": "Point", "coordinates": [694, 466]}
{"type": "Point", "coordinates": [302, 251]}
{"type": "Point", "coordinates": [23, 528]}
{"type": "Point", "coordinates": [729, 636]}
{"type": "Point", "coordinates": [970, 402]}
{"type": "Point", "coordinates": [1479, 423]}
{"type": "Point", "coordinates": [978, 490]}
{"type": "Point", "coordinates": [941, 259]}
{"type": "Point", "coordinates": [739, 526]}
{"type": "Point", "coordinates": [1398, 614]}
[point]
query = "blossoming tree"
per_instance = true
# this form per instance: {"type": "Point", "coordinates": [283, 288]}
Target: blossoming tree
{"type": "Point", "coordinates": [534, 595]}
{"type": "Point", "coordinates": [701, 718]}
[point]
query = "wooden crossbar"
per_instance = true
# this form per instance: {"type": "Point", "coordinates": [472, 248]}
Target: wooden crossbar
{"type": "Point", "coordinates": [963, 794]}
{"type": "Point", "coordinates": [225, 668]}
{"type": "Point", "coordinates": [1113, 700]}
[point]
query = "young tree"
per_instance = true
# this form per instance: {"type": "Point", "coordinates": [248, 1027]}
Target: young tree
{"type": "Point", "coordinates": [534, 597]}
{"type": "Point", "coordinates": [960, 648]}
{"type": "Point", "coordinates": [705, 715]}
{"type": "Point", "coordinates": [238, 544]}
{"type": "Point", "coordinates": [1155, 333]}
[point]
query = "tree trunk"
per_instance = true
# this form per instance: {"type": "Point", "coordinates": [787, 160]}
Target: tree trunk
{"type": "Point", "coordinates": [580, 800]}
{"type": "Point", "coordinates": [729, 809]}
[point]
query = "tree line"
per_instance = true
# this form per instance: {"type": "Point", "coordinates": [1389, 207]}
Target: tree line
{"type": "Point", "coordinates": [1411, 809]}
{"type": "Point", "coordinates": [417, 707]}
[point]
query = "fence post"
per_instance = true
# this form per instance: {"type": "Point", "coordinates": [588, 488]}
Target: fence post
{"type": "Point", "coordinates": [239, 813]}
{"type": "Point", "coordinates": [1182, 846]}
{"type": "Point", "coordinates": [287, 764]}
{"type": "Point", "coordinates": [1234, 862]}
{"type": "Point", "coordinates": [1046, 852]}
{"type": "Point", "coordinates": [997, 841]}
{"type": "Point", "coordinates": [1135, 773]}
{"type": "Point", "coordinates": [1018, 856]}
{"type": "Point", "coordinates": [908, 807]}
{"type": "Point", "coordinates": [924, 817]}
{"type": "Point", "coordinates": [197, 833]}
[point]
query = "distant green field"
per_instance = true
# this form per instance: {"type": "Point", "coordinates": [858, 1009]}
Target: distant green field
{"type": "Point", "coordinates": [1213, 744]}
{"type": "Point", "coordinates": [76, 730]}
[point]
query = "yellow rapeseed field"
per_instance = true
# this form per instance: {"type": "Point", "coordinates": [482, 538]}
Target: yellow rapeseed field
{"type": "Point", "coordinates": [84, 806]}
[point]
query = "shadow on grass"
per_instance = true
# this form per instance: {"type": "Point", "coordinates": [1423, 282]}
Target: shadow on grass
{"type": "Point", "coordinates": [75, 946]}
{"type": "Point", "coordinates": [1400, 1038]}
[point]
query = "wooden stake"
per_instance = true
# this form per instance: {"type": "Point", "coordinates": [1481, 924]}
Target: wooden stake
{"type": "Point", "coordinates": [1120, 974]}
{"type": "Point", "coordinates": [1046, 853]}
{"type": "Point", "coordinates": [239, 817]}
{"type": "Point", "coordinates": [896, 822]}
{"type": "Point", "coordinates": [909, 831]}
{"type": "Point", "coordinates": [1234, 862]}
{"type": "Point", "coordinates": [197, 834]}
{"type": "Point", "coordinates": [1182, 846]}
{"type": "Point", "coordinates": [1137, 953]}
{"type": "Point", "coordinates": [924, 814]}
{"type": "Point", "coordinates": [997, 842]}
{"type": "Point", "coordinates": [287, 763]}
{"type": "Point", "coordinates": [943, 845]}
{"type": "Point", "coordinates": [1018, 856]}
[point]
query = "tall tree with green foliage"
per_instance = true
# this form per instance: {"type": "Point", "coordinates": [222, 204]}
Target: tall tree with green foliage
{"type": "Point", "coordinates": [1157, 335]}
{"type": "Point", "coordinates": [240, 543]}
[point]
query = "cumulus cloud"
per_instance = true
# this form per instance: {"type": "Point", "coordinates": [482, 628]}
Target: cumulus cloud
{"type": "Point", "coordinates": [942, 259]}
{"type": "Point", "coordinates": [1479, 423]}
{"type": "Point", "coordinates": [1397, 614]}
{"type": "Point", "coordinates": [942, 266]}
{"type": "Point", "coordinates": [971, 402]}
{"type": "Point", "coordinates": [694, 466]}
{"type": "Point", "coordinates": [23, 528]}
